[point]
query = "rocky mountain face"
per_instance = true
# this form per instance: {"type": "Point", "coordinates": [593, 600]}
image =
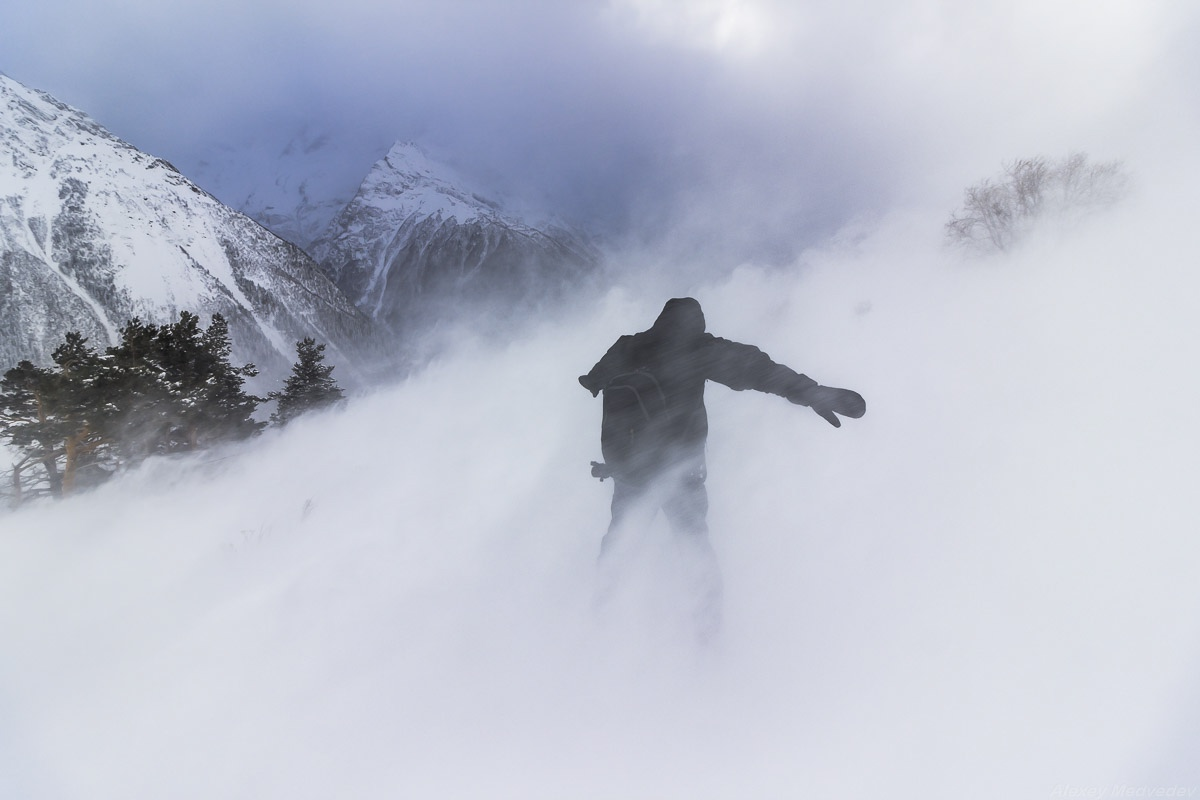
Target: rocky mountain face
{"type": "Point", "coordinates": [417, 249]}
{"type": "Point", "coordinates": [94, 232]}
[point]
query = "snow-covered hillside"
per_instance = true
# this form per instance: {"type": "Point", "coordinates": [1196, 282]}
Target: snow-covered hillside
{"type": "Point", "coordinates": [984, 588]}
{"type": "Point", "coordinates": [418, 246]}
{"type": "Point", "coordinates": [94, 232]}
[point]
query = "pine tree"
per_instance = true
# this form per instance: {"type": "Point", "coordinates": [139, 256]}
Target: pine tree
{"type": "Point", "coordinates": [226, 411]}
{"type": "Point", "coordinates": [28, 422]}
{"type": "Point", "coordinates": [161, 389]}
{"type": "Point", "coordinates": [309, 387]}
{"type": "Point", "coordinates": [60, 419]}
{"type": "Point", "coordinates": [85, 399]}
{"type": "Point", "coordinates": [180, 390]}
{"type": "Point", "coordinates": [143, 422]}
{"type": "Point", "coordinates": [180, 355]}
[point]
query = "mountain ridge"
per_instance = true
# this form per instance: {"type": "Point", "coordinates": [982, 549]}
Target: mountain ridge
{"type": "Point", "coordinates": [420, 244]}
{"type": "Point", "coordinates": [94, 232]}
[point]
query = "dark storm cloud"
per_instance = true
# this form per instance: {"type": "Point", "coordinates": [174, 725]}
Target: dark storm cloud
{"type": "Point", "coordinates": [745, 128]}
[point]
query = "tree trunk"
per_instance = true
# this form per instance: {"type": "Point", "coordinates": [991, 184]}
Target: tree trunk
{"type": "Point", "coordinates": [16, 483]}
{"type": "Point", "coordinates": [53, 477]}
{"type": "Point", "coordinates": [71, 465]}
{"type": "Point", "coordinates": [50, 459]}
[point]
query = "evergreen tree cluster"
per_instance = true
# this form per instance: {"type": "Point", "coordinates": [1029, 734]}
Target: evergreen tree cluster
{"type": "Point", "coordinates": [162, 389]}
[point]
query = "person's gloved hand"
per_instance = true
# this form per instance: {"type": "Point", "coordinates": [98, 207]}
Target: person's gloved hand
{"type": "Point", "coordinates": [828, 402]}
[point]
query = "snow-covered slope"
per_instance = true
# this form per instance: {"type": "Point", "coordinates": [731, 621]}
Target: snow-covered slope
{"type": "Point", "coordinates": [986, 587]}
{"type": "Point", "coordinates": [94, 232]}
{"type": "Point", "coordinates": [418, 245]}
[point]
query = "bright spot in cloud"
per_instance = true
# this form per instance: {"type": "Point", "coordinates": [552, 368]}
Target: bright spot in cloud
{"type": "Point", "coordinates": [721, 26]}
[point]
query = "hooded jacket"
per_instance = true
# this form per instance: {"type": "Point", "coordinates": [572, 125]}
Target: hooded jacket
{"type": "Point", "coordinates": [682, 356]}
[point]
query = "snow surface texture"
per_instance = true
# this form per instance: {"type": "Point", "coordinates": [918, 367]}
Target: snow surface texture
{"type": "Point", "coordinates": [984, 588]}
{"type": "Point", "coordinates": [94, 232]}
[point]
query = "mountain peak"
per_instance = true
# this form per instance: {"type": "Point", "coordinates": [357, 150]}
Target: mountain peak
{"type": "Point", "coordinates": [407, 182]}
{"type": "Point", "coordinates": [411, 157]}
{"type": "Point", "coordinates": [420, 243]}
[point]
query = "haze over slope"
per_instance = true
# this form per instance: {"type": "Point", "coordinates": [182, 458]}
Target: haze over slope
{"type": "Point", "coordinates": [985, 587]}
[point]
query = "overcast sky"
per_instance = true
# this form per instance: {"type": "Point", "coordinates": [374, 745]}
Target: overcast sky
{"type": "Point", "coordinates": [751, 126]}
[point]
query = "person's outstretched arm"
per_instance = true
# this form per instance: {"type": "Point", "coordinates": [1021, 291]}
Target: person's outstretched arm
{"type": "Point", "coordinates": [742, 366]}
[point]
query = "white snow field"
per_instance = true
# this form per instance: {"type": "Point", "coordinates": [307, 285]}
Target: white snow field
{"type": "Point", "coordinates": [987, 587]}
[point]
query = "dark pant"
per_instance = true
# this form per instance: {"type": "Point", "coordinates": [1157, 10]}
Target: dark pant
{"type": "Point", "coordinates": [681, 495]}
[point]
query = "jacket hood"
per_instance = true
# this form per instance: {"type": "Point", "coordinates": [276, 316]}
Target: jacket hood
{"type": "Point", "coordinates": [681, 317]}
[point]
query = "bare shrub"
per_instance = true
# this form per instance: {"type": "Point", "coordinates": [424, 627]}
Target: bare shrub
{"type": "Point", "coordinates": [996, 213]}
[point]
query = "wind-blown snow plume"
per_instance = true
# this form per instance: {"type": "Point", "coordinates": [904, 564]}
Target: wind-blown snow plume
{"type": "Point", "coordinates": [983, 587]}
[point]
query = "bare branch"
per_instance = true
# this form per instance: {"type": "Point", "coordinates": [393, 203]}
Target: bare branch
{"type": "Point", "coordinates": [995, 215]}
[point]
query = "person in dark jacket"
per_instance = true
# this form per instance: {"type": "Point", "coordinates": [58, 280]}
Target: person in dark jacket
{"type": "Point", "coordinates": [665, 468]}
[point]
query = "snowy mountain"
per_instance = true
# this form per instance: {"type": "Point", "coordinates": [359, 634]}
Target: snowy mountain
{"type": "Point", "coordinates": [94, 232]}
{"type": "Point", "coordinates": [418, 246]}
{"type": "Point", "coordinates": [293, 185]}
